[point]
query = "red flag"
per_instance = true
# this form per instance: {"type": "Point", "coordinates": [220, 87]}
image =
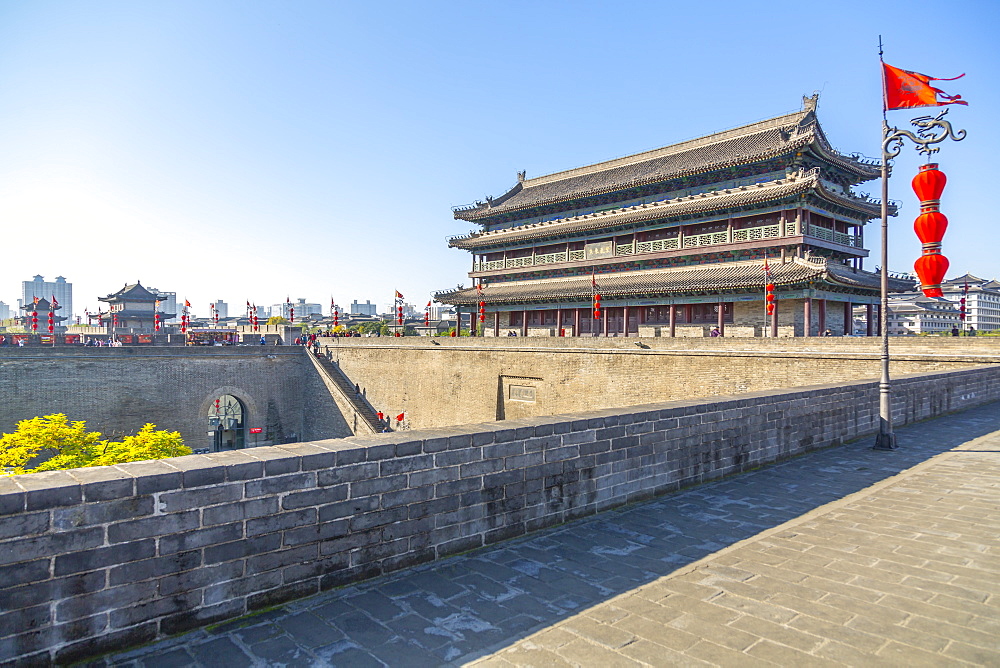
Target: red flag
{"type": "Point", "coordinates": [36, 300]}
{"type": "Point", "coordinates": [904, 89]}
{"type": "Point", "coordinates": [399, 295]}
{"type": "Point", "coordinates": [187, 304]}
{"type": "Point", "coordinates": [399, 418]}
{"type": "Point", "coordinates": [55, 304]}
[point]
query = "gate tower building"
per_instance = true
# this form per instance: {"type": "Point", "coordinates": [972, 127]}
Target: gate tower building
{"type": "Point", "coordinates": [674, 240]}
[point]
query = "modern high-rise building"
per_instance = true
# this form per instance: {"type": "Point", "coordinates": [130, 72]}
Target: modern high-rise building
{"type": "Point", "coordinates": [168, 304]}
{"type": "Point", "coordinates": [222, 308]}
{"type": "Point", "coordinates": [4, 311]}
{"type": "Point", "coordinates": [363, 309]}
{"type": "Point", "coordinates": [302, 309]}
{"type": "Point", "coordinates": [39, 287]}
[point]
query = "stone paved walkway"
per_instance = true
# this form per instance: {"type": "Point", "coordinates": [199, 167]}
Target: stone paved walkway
{"type": "Point", "coordinates": [840, 557]}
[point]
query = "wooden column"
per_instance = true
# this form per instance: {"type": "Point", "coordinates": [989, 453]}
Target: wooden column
{"type": "Point", "coordinates": [576, 322]}
{"type": "Point", "coordinates": [559, 322]}
{"type": "Point", "coordinates": [807, 316]}
{"type": "Point", "coordinates": [774, 320]}
{"type": "Point", "coordinates": [848, 318]}
{"type": "Point", "coordinates": [722, 319]}
{"type": "Point", "coordinates": [604, 321]}
{"type": "Point", "coordinates": [625, 318]}
{"type": "Point", "coordinates": [473, 322]}
{"type": "Point", "coordinates": [869, 323]}
{"type": "Point", "coordinates": [524, 323]}
{"type": "Point", "coordinates": [673, 320]}
{"type": "Point", "coordinates": [822, 316]}
{"type": "Point", "coordinates": [496, 324]}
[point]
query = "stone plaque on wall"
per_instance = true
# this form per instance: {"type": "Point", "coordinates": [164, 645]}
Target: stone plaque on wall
{"type": "Point", "coordinates": [599, 250]}
{"type": "Point", "coordinates": [522, 393]}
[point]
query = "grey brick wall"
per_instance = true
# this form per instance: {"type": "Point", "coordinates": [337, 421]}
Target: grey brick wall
{"type": "Point", "coordinates": [98, 559]}
{"type": "Point", "coordinates": [464, 380]}
{"type": "Point", "coordinates": [118, 390]}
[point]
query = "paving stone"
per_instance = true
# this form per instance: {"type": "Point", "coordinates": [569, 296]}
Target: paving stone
{"type": "Point", "coordinates": [782, 655]}
{"type": "Point", "coordinates": [283, 651]}
{"type": "Point", "coordinates": [717, 655]}
{"type": "Point", "coordinates": [178, 658]}
{"type": "Point", "coordinates": [786, 635]}
{"type": "Point", "coordinates": [222, 652]}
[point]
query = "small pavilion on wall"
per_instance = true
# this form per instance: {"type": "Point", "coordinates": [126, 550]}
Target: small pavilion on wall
{"type": "Point", "coordinates": [674, 241]}
{"type": "Point", "coordinates": [35, 318]}
{"type": "Point", "coordinates": [132, 308]}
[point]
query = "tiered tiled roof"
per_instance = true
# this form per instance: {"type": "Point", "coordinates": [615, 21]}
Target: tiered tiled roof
{"type": "Point", "coordinates": [756, 195]}
{"type": "Point", "coordinates": [131, 292]}
{"type": "Point", "coordinates": [755, 142]}
{"type": "Point", "coordinates": [723, 277]}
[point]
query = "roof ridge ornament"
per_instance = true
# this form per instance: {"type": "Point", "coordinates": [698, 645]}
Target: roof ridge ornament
{"type": "Point", "coordinates": [810, 102]}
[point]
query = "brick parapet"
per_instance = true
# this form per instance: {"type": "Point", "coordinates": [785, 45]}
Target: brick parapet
{"type": "Point", "coordinates": [97, 559]}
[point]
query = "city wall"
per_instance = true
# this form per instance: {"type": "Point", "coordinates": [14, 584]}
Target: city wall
{"type": "Point", "coordinates": [446, 381]}
{"type": "Point", "coordinates": [117, 390]}
{"type": "Point", "coordinates": [93, 560]}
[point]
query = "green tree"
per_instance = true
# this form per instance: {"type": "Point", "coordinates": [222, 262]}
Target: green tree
{"type": "Point", "coordinates": [148, 443]}
{"type": "Point", "coordinates": [66, 445]}
{"type": "Point", "coordinates": [277, 320]}
{"type": "Point", "coordinates": [52, 436]}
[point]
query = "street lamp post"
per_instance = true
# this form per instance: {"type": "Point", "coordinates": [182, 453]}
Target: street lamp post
{"type": "Point", "coordinates": [930, 131]}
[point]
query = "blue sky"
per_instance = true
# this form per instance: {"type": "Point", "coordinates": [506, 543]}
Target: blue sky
{"type": "Point", "coordinates": [258, 150]}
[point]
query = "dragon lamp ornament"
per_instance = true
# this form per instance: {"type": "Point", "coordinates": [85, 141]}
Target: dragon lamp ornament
{"type": "Point", "coordinates": [928, 184]}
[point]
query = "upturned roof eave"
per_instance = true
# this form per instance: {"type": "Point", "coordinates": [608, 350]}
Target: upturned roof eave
{"type": "Point", "coordinates": [478, 214]}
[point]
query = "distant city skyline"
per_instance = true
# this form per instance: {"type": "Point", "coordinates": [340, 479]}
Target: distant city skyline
{"type": "Point", "coordinates": [316, 150]}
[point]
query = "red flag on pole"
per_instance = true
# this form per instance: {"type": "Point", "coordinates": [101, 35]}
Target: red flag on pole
{"type": "Point", "coordinates": [399, 295]}
{"type": "Point", "coordinates": [399, 418]}
{"type": "Point", "coordinates": [904, 89]}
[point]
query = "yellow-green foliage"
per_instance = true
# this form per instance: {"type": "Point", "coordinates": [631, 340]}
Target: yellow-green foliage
{"type": "Point", "coordinates": [68, 445]}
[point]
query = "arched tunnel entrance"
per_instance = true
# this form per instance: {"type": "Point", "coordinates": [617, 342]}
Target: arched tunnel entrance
{"type": "Point", "coordinates": [226, 419]}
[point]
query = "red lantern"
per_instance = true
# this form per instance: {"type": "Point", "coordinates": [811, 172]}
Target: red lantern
{"type": "Point", "coordinates": [931, 269]}
{"type": "Point", "coordinates": [928, 184]}
{"type": "Point", "coordinates": [930, 227]}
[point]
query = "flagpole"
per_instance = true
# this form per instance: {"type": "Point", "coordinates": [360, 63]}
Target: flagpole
{"type": "Point", "coordinates": [886, 439]}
